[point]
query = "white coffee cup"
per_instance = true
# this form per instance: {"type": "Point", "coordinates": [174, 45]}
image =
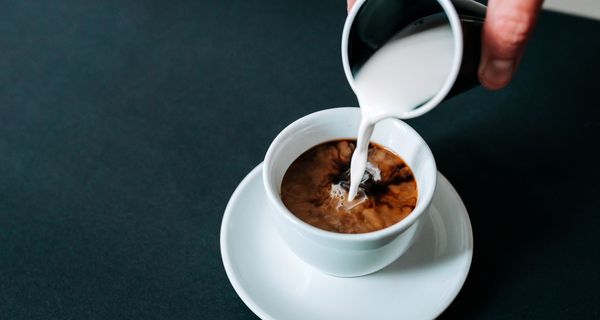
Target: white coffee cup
{"type": "Point", "coordinates": [347, 255]}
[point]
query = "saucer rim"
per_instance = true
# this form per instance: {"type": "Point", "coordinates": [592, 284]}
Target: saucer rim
{"type": "Point", "coordinates": [470, 243]}
{"type": "Point", "coordinates": [253, 305]}
{"type": "Point", "coordinates": [246, 298]}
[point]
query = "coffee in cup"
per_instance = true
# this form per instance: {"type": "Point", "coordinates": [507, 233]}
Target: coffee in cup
{"type": "Point", "coordinates": [335, 253]}
{"type": "Point", "coordinates": [315, 188]}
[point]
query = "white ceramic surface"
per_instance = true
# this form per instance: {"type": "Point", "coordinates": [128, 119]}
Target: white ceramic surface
{"type": "Point", "coordinates": [276, 284]}
{"type": "Point", "coordinates": [347, 255]}
{"type": "Point", "coordinates": [584, 8]}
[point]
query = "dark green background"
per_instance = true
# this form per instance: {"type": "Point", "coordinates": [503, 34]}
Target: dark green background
{"type": "Point", "coordinates": [126, 125]}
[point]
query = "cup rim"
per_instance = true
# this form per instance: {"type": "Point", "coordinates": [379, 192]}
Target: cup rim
{"type": "Point", "coordinates": [454, 20]}
{"type": "Point", "coordinates": [397, 228]}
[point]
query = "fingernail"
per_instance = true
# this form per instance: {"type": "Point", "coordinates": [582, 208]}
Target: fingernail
{"type": "Point", "coordinates": [497, 73]}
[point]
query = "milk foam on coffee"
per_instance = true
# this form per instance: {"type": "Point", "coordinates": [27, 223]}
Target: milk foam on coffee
{"type": "Point", "coordinates": [402, 75]}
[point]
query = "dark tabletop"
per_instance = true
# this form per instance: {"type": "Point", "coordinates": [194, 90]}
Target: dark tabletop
{"type": "Point", "coordinates": [126, 125]}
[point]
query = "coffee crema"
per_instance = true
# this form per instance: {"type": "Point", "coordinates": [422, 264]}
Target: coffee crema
{"type": "Point", "coordinates": [315, 188]}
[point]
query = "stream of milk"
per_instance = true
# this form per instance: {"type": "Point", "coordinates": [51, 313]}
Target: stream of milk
{"type": "Point", "coordinates": [401, 76]}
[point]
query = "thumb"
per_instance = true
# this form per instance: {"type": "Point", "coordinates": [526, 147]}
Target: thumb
{"type": "Point", "coordinates": [349, 4]}
{"type": "Point", "coordinates": [507, 27]}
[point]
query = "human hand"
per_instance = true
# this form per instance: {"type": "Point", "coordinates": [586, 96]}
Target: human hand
{"type": "Point", "coordinates": [507, 27]}
{"type": "Point", "coordinates": [349, 4]}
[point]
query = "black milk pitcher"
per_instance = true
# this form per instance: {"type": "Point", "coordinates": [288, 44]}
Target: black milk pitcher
{"type": "Point", "coordinates": [371, 23]}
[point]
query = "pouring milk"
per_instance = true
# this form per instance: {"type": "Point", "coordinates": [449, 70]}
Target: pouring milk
{"type": "Point", "coordinates": [401, 76]}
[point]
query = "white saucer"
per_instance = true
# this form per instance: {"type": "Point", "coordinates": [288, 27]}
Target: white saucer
{"type": "Point", "coordinates": [276, 284]}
